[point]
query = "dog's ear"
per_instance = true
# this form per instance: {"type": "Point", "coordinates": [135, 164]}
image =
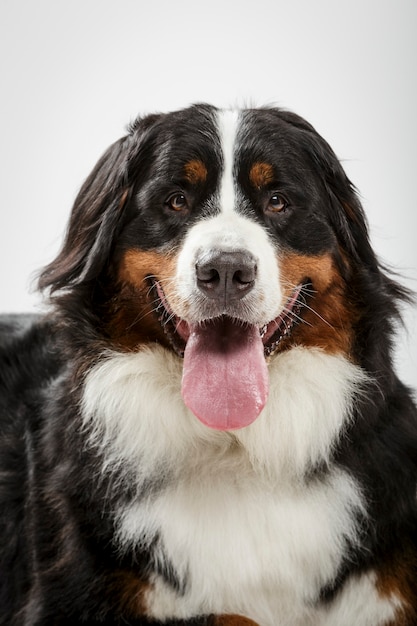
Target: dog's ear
{"type": "Point", "coordinates": [97, 212]}
{"type": "Point", "coordinates": [93, 219]}
{"type": "Point", "coordinates": [346, 214]}
{"type": "Point", "coordinates": [344, 208]}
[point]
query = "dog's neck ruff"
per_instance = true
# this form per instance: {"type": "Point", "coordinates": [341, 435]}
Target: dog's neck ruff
{"type": "Point", "coordinates": [293, 434]}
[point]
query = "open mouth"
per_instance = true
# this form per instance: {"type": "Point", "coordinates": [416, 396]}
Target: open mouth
{"type": "Point", "coordinates": [272, 334]}
{"type": "Point", "coordinates": [225, 377]}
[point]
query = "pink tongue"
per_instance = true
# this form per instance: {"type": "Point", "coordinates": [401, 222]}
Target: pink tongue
{"type": "Point", "coordinates": [225, 377]}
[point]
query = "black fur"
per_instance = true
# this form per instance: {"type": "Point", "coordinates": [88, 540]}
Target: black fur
{"type": "Point", "coordinates": [57, 560]}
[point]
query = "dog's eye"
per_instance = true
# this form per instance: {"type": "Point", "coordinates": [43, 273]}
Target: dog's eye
{"type": "Point", "coordinates": [276, 204]}
{"type": "Point", "coordinates": [177, 202]}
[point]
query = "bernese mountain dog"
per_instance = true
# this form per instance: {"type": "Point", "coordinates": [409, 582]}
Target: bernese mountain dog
{"type": "Point", "coordinates": [205, 428]}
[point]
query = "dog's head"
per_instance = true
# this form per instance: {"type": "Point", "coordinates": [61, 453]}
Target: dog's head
{"type": "Point", "coordinates": [228, 237]}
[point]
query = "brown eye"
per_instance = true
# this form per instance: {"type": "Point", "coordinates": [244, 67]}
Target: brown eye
{"type": "Point", "coordinates": [177, 202]}
{"type": "Point", "coordinates": [277, 204]}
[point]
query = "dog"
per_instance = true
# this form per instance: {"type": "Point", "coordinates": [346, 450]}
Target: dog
{"type": "Point", "coordinates": [205, 428]}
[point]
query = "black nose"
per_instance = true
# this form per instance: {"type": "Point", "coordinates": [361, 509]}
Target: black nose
{"type": "Point", "coordinates": [226, 276]}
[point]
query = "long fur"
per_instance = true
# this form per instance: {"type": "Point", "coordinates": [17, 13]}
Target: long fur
{"type": "Point", "coordinates": [119, 506]}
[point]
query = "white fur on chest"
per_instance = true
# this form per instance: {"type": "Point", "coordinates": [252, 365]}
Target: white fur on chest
{"type": "Point", "coordinates": [133, 409]}
{"type": "Point", "coordinates": [242, 546]}
{"type": "Point", "coordinates": [237, 520]}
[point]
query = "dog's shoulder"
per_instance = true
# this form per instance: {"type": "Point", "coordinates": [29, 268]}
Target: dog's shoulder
{"type": "Point", "coordinates": [14, 325]}
{"type": "Point", "coordinates": [29, 358]}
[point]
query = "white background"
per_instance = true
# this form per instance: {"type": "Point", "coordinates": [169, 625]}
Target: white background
{"type": "Point", "coordinates": [75, 72]}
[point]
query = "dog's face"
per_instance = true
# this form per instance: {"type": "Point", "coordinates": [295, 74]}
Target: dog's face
{"type": "Point", "coordinates": [227, 236]}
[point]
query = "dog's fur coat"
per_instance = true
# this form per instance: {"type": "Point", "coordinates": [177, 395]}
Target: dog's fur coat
{"type": "Point", "coordinates": [206, 428]}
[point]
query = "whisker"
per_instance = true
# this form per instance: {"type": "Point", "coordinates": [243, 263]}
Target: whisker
{"type": "Point", "coordinates": [137, 319]}
{"type": "Point", "coordinates": [295, 317]}
{"type": "Point", "coordinates": [307, 291]}
{"type": "Point", "coordinates": [317, 314]}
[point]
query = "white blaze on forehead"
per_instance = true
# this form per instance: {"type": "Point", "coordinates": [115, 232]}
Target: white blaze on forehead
{"type": "Point", "coordinates": [228, 124]}
{"type": "Point", "coordinates": [228, 230]}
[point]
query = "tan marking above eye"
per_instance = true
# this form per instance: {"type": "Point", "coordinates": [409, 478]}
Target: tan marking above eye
{"type": "Point", "coordinates": [261, 174]}
{"type": "Point", "coordinates": [195, 171]}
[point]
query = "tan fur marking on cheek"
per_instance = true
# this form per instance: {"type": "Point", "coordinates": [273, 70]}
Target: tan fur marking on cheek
{"type": "Point", "coordinates": [295, 268]}
{"type": "Point", "coordinates": [136, 265]}
{"type": "Point", "coordinates": [130, 320]}
{"type": "Point", "coordinates": [329, 325]}
{"type": "Point", "coordinates": [261, 174]}
{"type": "Point", "coordinates": [195, 172]}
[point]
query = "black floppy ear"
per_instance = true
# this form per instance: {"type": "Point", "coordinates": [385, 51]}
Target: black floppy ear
{"type": "Point", "coordinates": [351, 227]}
{"type": "Point", "coordinates": [93, 222]}
{"type": "Point", "coordinates": [345, 211]}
